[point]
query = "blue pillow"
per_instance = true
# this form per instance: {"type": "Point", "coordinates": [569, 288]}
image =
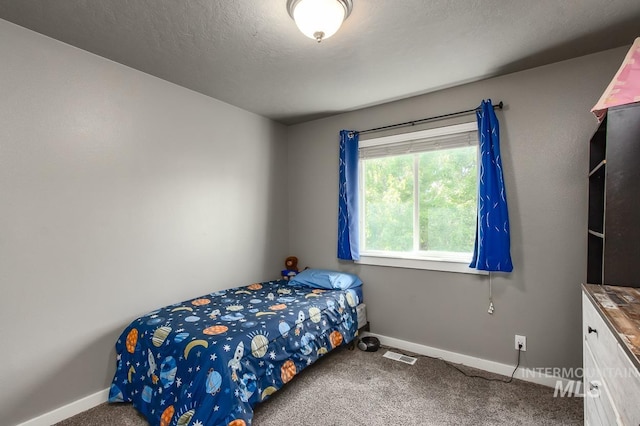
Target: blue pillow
{"type": "Point", "coordinates": [322, 278]}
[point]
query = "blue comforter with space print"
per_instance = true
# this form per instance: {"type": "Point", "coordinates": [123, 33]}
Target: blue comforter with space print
{"type": "Point", "coordinates": [209, 360]}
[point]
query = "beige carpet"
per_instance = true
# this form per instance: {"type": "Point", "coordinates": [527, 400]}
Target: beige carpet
{"type": "Point", "coordinates": [363, 388]}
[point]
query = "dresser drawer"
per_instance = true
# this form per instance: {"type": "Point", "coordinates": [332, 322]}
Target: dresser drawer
{"type": "Point", "coordinates": [598, 404]}
{"type": "Point", "coordinates": [597, 336]}
{"type": "Point", "coordinates": [620, 376]}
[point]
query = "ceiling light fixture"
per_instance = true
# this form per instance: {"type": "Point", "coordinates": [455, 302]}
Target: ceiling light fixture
{"type": "Point", "coordinates": [319, 19]}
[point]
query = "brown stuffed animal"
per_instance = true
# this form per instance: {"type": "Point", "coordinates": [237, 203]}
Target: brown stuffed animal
{"type": "Point", "coordinates": [291, 263]}
{"type": "Point", "coordinates": [291, 268]}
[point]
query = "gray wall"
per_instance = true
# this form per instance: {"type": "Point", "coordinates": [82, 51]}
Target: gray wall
{"type": "Point", "coordinates": [545, 130]}
{"type": "Point", "coordinates": [119, 193]}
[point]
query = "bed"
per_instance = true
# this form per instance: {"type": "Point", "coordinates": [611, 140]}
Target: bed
{"type": "Point", "coordinates": [209, 360]}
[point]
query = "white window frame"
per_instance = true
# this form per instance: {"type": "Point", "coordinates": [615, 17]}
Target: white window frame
{"type": "Point", "coordinates": [437, 261]}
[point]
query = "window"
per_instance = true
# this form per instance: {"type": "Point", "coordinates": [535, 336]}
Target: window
{"type": "Point", "coordinates": [418, 198]}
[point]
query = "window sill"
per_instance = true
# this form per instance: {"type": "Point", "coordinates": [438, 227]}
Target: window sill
{"type": "Point", "coordinates": [457, 266]}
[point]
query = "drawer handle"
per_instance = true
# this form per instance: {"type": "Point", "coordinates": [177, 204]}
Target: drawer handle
{"type": "Point", "coordinates": [592, 330]}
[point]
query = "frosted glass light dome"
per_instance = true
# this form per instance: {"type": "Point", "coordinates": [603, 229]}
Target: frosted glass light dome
{"type": "Point", "coordinates": [319, 19]}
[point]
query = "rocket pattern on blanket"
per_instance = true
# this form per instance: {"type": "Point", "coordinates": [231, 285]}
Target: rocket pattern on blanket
{"type": "Point", "coordinates": [209, 360]}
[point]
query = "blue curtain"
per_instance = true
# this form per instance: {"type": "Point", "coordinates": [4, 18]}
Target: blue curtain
{"type": "Point", "coordinates": [491, 250]}
{"type": "Point", "coordinates": [348, 197]}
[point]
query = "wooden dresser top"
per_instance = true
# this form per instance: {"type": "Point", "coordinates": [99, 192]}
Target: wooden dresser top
{"type": "Point", "coordinates": [620, 308]}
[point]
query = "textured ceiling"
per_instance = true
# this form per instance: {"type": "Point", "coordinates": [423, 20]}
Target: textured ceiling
{"type": "Point", "coordinates": [250, 54]}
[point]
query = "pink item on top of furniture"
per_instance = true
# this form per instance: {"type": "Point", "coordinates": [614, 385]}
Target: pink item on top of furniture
{"type": "Point", "coordinates": [625, 86]}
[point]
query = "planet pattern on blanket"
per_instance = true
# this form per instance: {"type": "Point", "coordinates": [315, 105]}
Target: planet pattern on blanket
{"type": "Point", "coordinates": [207, 361]}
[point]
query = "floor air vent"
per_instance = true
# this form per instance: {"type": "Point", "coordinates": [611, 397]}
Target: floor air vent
{"type": "Point", "coordinates": [399, 357]}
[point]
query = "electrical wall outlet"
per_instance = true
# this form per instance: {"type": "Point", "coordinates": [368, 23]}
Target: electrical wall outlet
{"type": "Point", "coordinates": [521, 343]}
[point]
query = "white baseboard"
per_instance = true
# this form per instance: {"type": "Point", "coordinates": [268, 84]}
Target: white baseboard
{"type": "Point", "coordinates": [470, 361]}
{"type": "Point", "coordinates": [69, 410]}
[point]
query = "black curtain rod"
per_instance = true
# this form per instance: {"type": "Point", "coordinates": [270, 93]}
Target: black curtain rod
{"type": "Point", "coordinates": [424, 120]}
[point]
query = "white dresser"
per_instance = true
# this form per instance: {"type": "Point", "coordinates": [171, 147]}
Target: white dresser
{"type": "Point", "coordinates": [611, 352]}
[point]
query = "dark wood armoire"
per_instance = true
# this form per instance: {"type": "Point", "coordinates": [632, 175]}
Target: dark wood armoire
{"type": "Point", "coordinates": [614, 199]}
